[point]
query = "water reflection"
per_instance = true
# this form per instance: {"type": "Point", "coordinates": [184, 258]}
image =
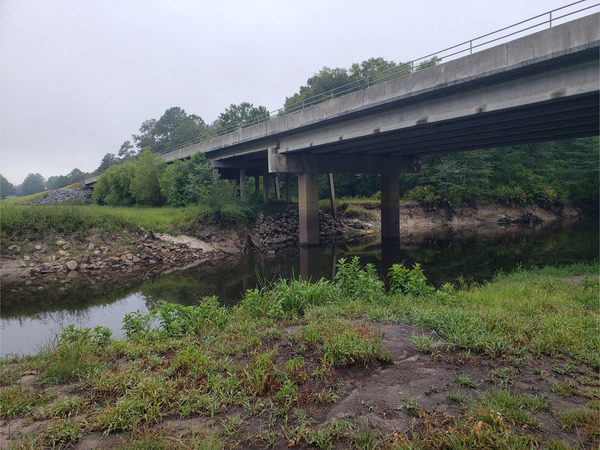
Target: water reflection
{"type": "Point", "coordinates": [28, 322]}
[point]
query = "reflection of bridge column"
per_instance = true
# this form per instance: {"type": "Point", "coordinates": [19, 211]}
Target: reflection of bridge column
{"type": "Point", "coordinates": [310, 263]}
{"type": "Point", "coordinates": [390, 205]}
{"type": "Point", "coordinates": [308, 208]}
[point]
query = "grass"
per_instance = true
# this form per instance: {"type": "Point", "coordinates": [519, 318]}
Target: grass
{"type": "Point", "coordinates": [537, 312]}
{"type": "Point", "coordinates": [27, 222]}
{"type": "Point", "coordinates": [262, 373]}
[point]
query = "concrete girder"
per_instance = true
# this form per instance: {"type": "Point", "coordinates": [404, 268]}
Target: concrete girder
{"type": "Point", "coordinates": [303, 163]}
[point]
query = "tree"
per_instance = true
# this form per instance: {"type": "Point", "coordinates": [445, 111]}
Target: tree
{"type": "Point", "coordinates": [108, 160]}
{"type": "Point", "coordinates": [57, 182]}
{"type": "Point", "coordinates": [126, 151]}
{"type": "Point", "coordinates": [6, 188]}
{"type": "Point", "coordinates": [112, 188]}
{"type": "Point", "coordinates": [32, 184]}
{"type": "Point", "coordinates": [318, 86]}
{"type": "Point", "coordinates": [173, 128]}
{"type": "Point", "coordinates": [179, 181]}
{"type": "Point", "coordinates": [146, 139]}
{"type": "Point", "coordinates": [145, 186]}
{"type": "Point", "coordinates": [322, 82]}
{"type": "Point", "coordinates": [76, 176]}
{"type": "Point", "coordinates": [240, 116]}
{"type": "Point", "coordinates": [373, 69]}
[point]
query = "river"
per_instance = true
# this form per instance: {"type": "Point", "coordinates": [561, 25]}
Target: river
{"type": "Point", "coordinates": [468, 257]}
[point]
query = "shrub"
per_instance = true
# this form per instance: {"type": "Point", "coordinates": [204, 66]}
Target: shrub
{"type": "Point", "coordinates": [355, 282]}
{"type": "Point", "coordinates": [113, 186]}
{"type": "Point", "coordinates": [513, 195]}
{"type": "Point", "coordinates": [431, 197]}
{"type": "Point", "coordinates": [408, 281]}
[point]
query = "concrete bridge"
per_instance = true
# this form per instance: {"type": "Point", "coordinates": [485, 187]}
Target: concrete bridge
{"type": "Point", "coordinates": [541, 87]}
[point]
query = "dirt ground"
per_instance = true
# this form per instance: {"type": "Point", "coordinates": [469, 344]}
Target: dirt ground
{"type": "Point", "coordinates": [377, 396]}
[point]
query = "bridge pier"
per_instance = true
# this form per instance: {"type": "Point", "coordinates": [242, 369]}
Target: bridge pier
{"type": "Point", "coordinates": [266, 186]}
{"type": "Point", "coordinates": [242, 184]}
{"type": "Point", "coordinates": [308, 208]}
{"type": "Point", "coordinates": [390, 206]}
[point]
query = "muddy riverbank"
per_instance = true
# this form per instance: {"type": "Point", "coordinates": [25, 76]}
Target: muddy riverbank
{"type": "Point", "coordinates": [62, 259]}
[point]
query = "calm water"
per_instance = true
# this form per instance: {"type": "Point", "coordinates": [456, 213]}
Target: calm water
{"type": "Point", "coordinates": [28, 324]}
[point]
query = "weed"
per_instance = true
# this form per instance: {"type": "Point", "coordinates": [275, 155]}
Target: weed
{"type": "Point", "coordinates": [504, 375]}
{"type": "Point", "coordinates": [513, 406]}
{"type": "Point", "coordinates": [64, 432]}
{"type": "Point", "coordinates": [425, 344]}
{"type": "Point", "coordinates": [433, 389]}
{"type": "Point", "coordinates": [364, 439]}
{"type": "Point", "coordinates": [585, 420]}
{"type": "Point", "coordinates": [325, 436]}
{"type": "Point", "coordinates": [409, 281]}
{"type": "Point", "coordinates": [413, 408]}
{"type": "Point", "coordinates": [65, 407]}
{"type": "Point", "coordinates": [356, 282]}
{"type": "Point", "coordinates": [564, 369]}
{"type": "Point", "coordinates": [566, 388]}
{"type": "Point", "coordinates": [466, 381]}
{"type": "Point", "coordinates": [15, 401]}
{"type": "Point", "coordinates": [457, 397]}
{"type": "Point", "coordinates": [232, 424]}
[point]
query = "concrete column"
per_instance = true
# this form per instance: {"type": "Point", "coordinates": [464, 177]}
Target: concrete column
{"type": "Point", "coordinates": [332, 195]}
{"type": "Point", "coordinates": [242, 184]}
{"type": "Point", "coordinates": [277, 192]}
{"type": "Point", "coordinates": [390, 206]}
{"type": "Point", "coordinates": [266, 183]}
{"type": "Point", "coordinates": [288, 188]}
{"type": "Point", "coordinates": [308, 206]}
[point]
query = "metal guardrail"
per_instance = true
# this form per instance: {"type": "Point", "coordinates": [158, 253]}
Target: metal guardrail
{"type": "Point", "coordinates": [548, 18]}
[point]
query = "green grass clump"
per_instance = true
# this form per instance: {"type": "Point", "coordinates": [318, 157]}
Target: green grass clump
{"type": "Point", "coordinates": [537, 312]}
{"type": "Point", "coordinates": [16, 401]}
{"type": "Point", "coordinates": [516, 406]}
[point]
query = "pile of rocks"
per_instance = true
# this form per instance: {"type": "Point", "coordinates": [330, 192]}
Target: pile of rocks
{"type": "Point", "coordinates": [64, 196]}
{"type": "Point", "coordinates": [272, 234]}
{"type": "Point", "coordinates": [146, 252]}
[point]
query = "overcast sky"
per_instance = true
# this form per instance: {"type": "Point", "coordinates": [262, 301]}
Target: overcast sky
{"type": "Point", "coordinates": [78, 77]}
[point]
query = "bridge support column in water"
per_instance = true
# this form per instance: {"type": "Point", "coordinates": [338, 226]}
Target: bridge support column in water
{"type": "Point", "coordinates": [390, 205]}
{"type": "Point", "coordinates": [308, 208]}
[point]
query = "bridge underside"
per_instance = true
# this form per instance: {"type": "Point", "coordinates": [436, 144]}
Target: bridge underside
{"type": "Point", "coordinates": [397, 151]}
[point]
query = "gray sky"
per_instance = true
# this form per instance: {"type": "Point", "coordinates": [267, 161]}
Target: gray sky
{"type": "Point", "coordinates": [78, 77]}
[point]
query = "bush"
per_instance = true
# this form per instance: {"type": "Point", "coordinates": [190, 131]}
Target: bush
{"type": "Point", "coordinates": [407, 281]}
{"type": "Point", "coordinates": [431, 197]}
{"type": "Point", "coordinates": [355, 282]}
{"type": "Point", "coordinates": [113, 186]}
{"type": "Point", "coordinates": [513, 195]}
{"type": "Point", "coordinates": [145, 186]}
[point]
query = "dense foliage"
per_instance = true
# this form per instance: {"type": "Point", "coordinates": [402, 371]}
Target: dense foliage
{"type": "Point", "coordinates": [544, 173]}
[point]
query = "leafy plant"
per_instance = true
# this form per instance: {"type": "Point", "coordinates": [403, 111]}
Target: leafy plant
{"type": "Point", "coordinates": [408, 281]}
{"type": "Point", "coordinates": [356, 282]}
